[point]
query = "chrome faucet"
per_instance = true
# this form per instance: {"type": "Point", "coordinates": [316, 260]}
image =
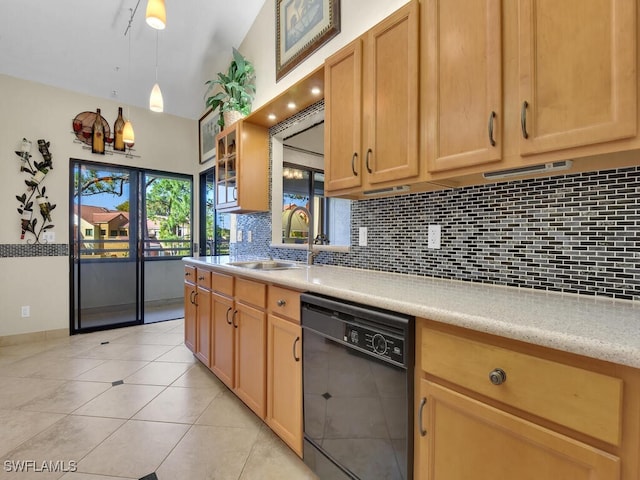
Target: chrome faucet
{"type": "Point", "coordinates": [311, 254]}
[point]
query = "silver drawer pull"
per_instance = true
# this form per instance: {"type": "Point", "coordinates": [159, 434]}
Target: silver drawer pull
{"type": "Point", "coordinates": [497, 376]}
{"type": "Point", "coordinates": [281, 302]}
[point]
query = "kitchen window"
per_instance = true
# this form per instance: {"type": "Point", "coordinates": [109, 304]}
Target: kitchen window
{"type": "Point", "coordinates": [298, 186]}
{"type": "Point", "coordinates": [305, 208]}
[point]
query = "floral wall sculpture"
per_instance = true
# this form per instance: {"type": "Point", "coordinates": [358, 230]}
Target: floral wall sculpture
{"type": "Point", "coordinates": [36, 192]}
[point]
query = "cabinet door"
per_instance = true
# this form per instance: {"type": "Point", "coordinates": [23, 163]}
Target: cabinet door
{"type": "Point", "coordinates": [464, 438]}
{"type": "Point", "coordinates": [391, 100]}
{"type": "Point", "coordinates": [343, 118]}
{"type": "Point", "coordinates": [203, 339]}
{"type": "Point", "coordinates": [284, 381]}
{"type": "Point", "coordinates": [250, 375]}
{"type": "Point", "coordinates": [462, 96]}
{"type": "Point", "coordinates": [190, 313]}
{"type": "Point", "coordinates": [223, 345]}
{"type": "Point", "coordinates": [577, 73]}
{"type": "Point", "coordinates": [226, 168]}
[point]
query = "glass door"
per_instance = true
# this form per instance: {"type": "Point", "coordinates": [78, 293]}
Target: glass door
{"type": "Point", "coordinates": [104, 230]}
{"type": "Point", "coordinates": [166, 232]}
{"type": "Point", "coordinates": [130, 229]}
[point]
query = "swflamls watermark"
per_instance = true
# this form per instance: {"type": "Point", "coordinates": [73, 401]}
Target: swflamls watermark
{"type": "Point", "coordinates": [57, 466]}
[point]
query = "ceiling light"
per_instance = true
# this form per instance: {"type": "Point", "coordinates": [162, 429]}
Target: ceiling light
{"type": "Point", "coordinates": [291, 105]}
{"type": "Point", "coordinates": [156, 14]}
{"type": "Point", "coordinates": [271, 116]}
{"type": "Point", "coordinates": [156, 103]}
{"type": "Point", "coordinates": [128, 137]}
{"type": "Point", "coordinates": [315, 91]}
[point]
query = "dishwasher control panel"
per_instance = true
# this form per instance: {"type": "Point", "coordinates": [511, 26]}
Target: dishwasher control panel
{"type": "Point", "coordinates": [379, 343]}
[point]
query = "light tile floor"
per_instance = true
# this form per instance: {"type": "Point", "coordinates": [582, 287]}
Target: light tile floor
{"type": "Point", "coordinates": [171, 416]}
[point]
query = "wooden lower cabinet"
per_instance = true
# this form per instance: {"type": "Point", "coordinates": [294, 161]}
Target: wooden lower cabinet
{"type": "Point", "coordinates": [223, 351]}
{"type": "Point", "coordinates": [190, 314]}
{"type": "Point", "coordinates": [203, 325]}
{"type": "Point", "coordinates": [250, 342]}
{"type": "Point", "coordinates": [491, 408]}
{"type": "Point", "coordinates": [284, 380]}
{"type": "Point", "coordinates": [464, 438]}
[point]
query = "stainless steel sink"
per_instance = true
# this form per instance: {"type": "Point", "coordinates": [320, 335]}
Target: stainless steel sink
{"type": "Point", "coordinates": [265, 264]}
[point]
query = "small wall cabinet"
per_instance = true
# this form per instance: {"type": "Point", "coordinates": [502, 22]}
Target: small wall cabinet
{"type": "Point", "coordinates": [242, 168]}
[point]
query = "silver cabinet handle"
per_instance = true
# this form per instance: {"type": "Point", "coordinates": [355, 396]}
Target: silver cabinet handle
{"type": "Point", "coordinates": [227, 315]}
{"type": "Point", "coordinates": [233, 319]}
{"type": "Point", "coordinates": [353, 164]}
{"type": "Point", "coordinates": [281, 302]}
{"type": "Point", "coordinates": [297, 359]}
{"type": "Point", "coordinates": [423, 402]}
{"type": "Point", "coordinates": [497, 376]}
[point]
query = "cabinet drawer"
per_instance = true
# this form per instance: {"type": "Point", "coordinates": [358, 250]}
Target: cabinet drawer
{"type": "Point", "coordinates": [582, 400]}
{"type": "Point", "coordinates": [222, 283]}
{"type": "Point", "coordinates": [284, 302]}
{"type": "Point", "coordinates": [251, 293]}
{"type": "Point", "coordinates": [190, 274]}
{"type": "Point", "coordinates": [204, 278]}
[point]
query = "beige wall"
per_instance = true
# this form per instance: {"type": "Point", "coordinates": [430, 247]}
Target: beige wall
{"type": "Point", "coordinates": [34, 111]}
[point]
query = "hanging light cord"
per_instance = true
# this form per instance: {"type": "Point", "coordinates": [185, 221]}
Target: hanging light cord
{"type": "Point", "coordinates": [156, 56]}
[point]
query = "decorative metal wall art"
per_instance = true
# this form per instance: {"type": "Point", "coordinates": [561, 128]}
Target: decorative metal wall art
{"type": "Point", "coordinates": [37, 172]}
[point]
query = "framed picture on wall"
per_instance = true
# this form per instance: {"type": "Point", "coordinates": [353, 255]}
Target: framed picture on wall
{"type": "Point", "coordinates": [303, 26]}
{"type": "Point", "coordinates": [209, 128]}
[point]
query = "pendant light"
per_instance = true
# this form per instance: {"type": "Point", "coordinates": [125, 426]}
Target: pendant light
{"type": "Point", "coordinates": [156, 14]}
{"type": "Point", "coordinates": [128, 136]}
{"type": "Point", "coordinates": [156, 103]}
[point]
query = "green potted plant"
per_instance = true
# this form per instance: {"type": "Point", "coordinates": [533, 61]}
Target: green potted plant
{"type": "Point", "coordinates": [236, 90]}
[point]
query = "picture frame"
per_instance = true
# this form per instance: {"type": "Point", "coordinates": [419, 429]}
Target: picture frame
{"type": "Point", "coordinates": [303, 26]}
{"type": "Point", "coordinates": [208, 129]}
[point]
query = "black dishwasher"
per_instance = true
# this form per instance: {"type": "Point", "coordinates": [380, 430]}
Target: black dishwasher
{"type": "Point", "coordinates": [358, 390]}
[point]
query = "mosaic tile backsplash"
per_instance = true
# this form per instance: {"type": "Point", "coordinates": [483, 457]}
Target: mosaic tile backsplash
{"type": "Point", "coordinates": [577, 233]}
{"type": "Point", "coordinates": [34, 250]}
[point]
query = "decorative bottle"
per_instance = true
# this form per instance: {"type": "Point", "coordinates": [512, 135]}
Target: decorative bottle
{"type": "Point", "coordinates": [97, 135]}
{"type": "Point", "coordinates": [118, 128]}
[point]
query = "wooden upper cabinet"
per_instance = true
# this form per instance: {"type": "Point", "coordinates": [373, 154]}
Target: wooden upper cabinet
{"type": "Point", "coordinates": [391, 101]}
{"type": "Point", "coordinates": [461, 83]}
{"type": "Point", "coordinates": [343, 118]}
{"type": "Point", "coordinates": [242, 168]}
{"type": "Point", "coordinates": [372, 106]}
{"type": "Point", "coordinates": [577, 64]}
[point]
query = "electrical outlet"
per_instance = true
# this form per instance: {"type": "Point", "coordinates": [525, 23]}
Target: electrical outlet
{"type": "Point", "coordinates": [49, 236]}
{"type": "Point", "coordinates": [239, 235]}
{"type": "Point", "coordinates": [25, 311]}
{"type": "Point", "coordinates": [433, 241]}
{"type": "Point", "coordinates": [362, 236]}
{"type": "Point", "coordinates": [249, 236]}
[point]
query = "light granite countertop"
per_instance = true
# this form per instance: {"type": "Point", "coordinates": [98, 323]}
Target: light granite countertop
{"type": "Point", "coordinates": [596, 327]}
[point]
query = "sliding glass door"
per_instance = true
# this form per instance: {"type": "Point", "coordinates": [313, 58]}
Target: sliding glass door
{"type": "Point", "coordinates": [129, 230]}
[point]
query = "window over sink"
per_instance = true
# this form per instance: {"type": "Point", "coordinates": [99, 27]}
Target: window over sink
{"type": "Point", "coordinates": [298, 188]}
